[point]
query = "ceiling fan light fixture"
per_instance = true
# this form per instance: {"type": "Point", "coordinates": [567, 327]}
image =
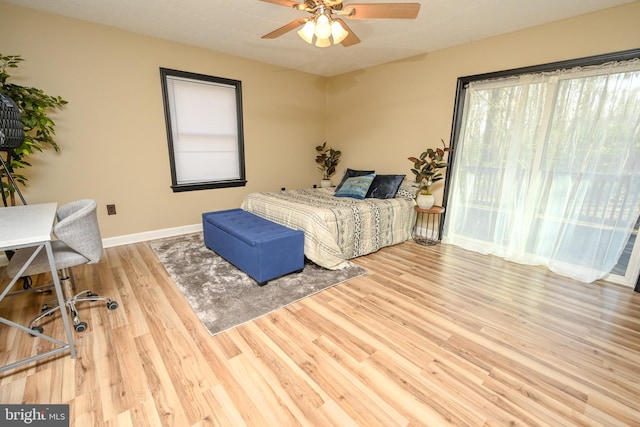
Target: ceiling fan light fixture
{"type": "Point", "coordinates": [323, 27]}
{"type": "Point", "coordinates": [338, 32]}
{"type": "Point", "coordinates": [323, 42]}
{"type": "Point", "coordinates": [307, 31]}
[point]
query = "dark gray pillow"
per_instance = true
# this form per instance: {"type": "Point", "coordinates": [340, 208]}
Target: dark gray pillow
{"type": "Point", "coordinates": [385, 186]}
{"type": "Point", "coordinates": [350, 173]}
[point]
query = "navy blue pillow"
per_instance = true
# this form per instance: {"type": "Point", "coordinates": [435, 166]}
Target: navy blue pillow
{"type": "Point", "coordinates": [385, 186]}
{"type": "Point", "coordinates": [350, 173]}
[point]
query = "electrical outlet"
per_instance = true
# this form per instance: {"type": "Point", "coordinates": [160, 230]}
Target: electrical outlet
{"type": "Point", "coordinates": [111, 209]}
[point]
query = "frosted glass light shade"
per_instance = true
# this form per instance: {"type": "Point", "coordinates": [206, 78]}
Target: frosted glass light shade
{"type": "Point", "coordinates": [323, 42]}
{"type": "Point", "coordinates": [307, 31]}
{"type": "Point", "coordinates": [323, 27]}
{"type": "Point", "coordinates": [338, 32]}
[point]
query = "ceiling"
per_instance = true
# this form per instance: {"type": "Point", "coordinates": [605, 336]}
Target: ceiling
{"type": "Point", "coordinates": [236, 26]}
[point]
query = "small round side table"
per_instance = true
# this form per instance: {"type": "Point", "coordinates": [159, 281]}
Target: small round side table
{"type": "Point", "coordinates": [427, 229]}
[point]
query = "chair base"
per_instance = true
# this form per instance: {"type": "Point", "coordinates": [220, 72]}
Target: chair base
{"type": "Point", "coordinates": [66, 276]}
{"type": "Point", "coordinates": [78, 325]}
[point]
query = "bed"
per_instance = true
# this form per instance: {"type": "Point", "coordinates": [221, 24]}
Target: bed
{"type": "Point", "coordinates": [337, 228]}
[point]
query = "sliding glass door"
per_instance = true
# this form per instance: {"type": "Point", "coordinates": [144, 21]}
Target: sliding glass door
{"type": "Point", "coordinates": [546, 169]}
{"type": "Point", "coordinates": [627, 270]}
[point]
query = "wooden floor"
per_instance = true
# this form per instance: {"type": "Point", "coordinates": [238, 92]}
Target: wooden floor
{"type": "Point", "coordinates": [432, 336]}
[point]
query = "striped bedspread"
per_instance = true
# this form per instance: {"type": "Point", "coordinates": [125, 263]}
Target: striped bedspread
{"type": "Point", "coordinates": [336, 228]}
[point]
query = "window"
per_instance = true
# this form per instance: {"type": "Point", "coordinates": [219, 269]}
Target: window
{"type": "Point", "coordinates": [203, 116]}
{"type": "Point", "coordinates": [546, 166]}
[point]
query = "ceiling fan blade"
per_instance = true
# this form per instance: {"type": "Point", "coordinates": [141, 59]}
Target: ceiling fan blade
{"type": "Point", "coordinates": [382, 10]}
{"type": "Point", "coordinates": [351, 39]}
{"type": "Point", "coordinates": [287, 3]}
{"type": "Point", "coordinates": [285, 28]}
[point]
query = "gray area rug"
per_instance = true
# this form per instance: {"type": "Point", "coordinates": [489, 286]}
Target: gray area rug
{"type": "Point", "coordinates": [223, 296]}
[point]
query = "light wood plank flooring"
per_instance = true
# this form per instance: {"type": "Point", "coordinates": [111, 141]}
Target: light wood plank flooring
{"type": "Point", "coordinates": [432, 336]}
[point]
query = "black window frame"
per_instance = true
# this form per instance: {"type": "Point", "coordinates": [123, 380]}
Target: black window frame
{"type": "Point", "coordinates": [166, 73]}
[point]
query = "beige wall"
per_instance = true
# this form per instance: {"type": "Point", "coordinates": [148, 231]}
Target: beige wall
{"type": "Point", "coordinates": [399, 109]}
{"type": "Point", "coordinates": [112, 133]}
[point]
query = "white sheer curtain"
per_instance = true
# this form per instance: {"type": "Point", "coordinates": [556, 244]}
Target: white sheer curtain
{"type": "Point", "coordinates": [547, 169]}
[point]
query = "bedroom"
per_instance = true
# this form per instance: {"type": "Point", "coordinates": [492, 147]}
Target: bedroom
{"type": "Point", "coordinates": [119, 152]}
{"type": "Point", "coordinates": [112, 132]}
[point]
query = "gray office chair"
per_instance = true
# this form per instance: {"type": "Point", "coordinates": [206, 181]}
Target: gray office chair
{"type": "Point", "coordinates": [78, 242]}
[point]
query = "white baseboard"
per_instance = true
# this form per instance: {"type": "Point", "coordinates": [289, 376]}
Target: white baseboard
{"type": "Point", "coordinates": [150, 235]}
{"type": "Point", "coordinates": [135, 238]}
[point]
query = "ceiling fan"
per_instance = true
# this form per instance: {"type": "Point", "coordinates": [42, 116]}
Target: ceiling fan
{"type": "Point", "coordinates": [325, 25]}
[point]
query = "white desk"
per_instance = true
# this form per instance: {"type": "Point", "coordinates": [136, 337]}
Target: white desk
{"type": "Point", "coordinates": [27, 226]}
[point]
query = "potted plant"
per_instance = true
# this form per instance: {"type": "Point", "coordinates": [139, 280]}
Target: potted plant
{"type": "Point", "coordinates": [39, 129]}
{"type": "Point", "coordinates": [327, 159]}
{"type": "Point", "coordinates": [427, 170]}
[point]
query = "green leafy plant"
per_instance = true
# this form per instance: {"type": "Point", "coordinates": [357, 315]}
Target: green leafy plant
{"type": "Point", "coordinates": [35, 107]}
{"type": "Point", "coordinates": [327, 159]}
{"type": "Point", "coordinates": [427, 167]}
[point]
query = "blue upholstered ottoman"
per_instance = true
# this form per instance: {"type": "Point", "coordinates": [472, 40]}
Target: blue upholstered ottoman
{"type": "Point", "coordinates": [259, 247]}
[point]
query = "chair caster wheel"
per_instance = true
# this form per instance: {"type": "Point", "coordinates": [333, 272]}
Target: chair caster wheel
{"type": "Point", "coordinates": [80, 327]}
{"type": "Point", "coordinates": [37, 329]}
{"type": "Point", "coordinates": [112, 305]}
{"type": "Point", "coordinates": [45, 307]}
